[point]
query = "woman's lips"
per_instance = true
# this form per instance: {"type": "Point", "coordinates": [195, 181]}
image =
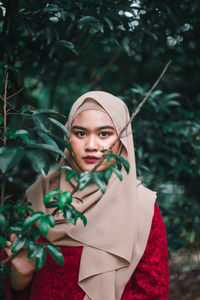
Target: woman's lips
{"type": "Point", "coordinates": [91, 159]}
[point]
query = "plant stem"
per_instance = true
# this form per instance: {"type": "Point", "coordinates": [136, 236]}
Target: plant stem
{"type": "Point", "coordinates": [133, 115]}
{"type": "Point", "coordinates": [6, 260]}
{"type": "Point", "coordinates": [4, 130]}
{"type": "Point", "coordinates": [5, 107]}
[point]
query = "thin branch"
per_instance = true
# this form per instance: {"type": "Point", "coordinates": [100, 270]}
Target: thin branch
{"type": "Point", "coordinates": [9, 258]}
{"type": "Point", "coordinates": [15, 93]}
{"type": "Point", "coordinates": [106, 69]}
{"type": "Point", "coordinates": [133, 115]}
{"type": "Point", "coordinates": [4, 131]}
{"type": "Point", "coordinates": [3, 188]}
{"type": "Point", "coordinates": [4, 106]}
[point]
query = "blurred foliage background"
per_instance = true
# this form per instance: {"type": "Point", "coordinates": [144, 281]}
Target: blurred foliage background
{"type": "Point", "coordinates": [59, 49]}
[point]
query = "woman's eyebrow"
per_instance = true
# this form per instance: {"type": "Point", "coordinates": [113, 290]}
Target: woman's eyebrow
{"type": "Point", "coordinates": [98, 128]}
{"type": "Point", "coordinates": [78, 127]}
{"type": "Point", "coordinates": [105, 127]}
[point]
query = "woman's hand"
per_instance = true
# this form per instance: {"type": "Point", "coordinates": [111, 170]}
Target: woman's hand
{"type": "Point", "coordinates": [22, 266]}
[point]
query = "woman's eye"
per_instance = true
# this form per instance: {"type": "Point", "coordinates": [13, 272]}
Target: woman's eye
{"type": "Point", "coordinates": [103, 134]}
{"type": "Point", "coordinates": [81, 133]}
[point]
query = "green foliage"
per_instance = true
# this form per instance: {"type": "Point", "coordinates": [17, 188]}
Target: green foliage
{"type": "Point", "coordinates": [58, 51]}
{"type": "Point", "coordinates": [55, 253]}
{"type": "Point", "coordinates": [38, 252]}
{"type": "Point", "coordinates": [51, 194]}
{"type": "Point", "coordinates": [64, 198]}
{"type": "Point", "coordinates": [30, 220]}
{"type": "Point", "coordinates": [46, 222]}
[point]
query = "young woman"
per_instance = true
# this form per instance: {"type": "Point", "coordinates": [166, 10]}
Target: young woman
{"type": "Point", "coordinates": [121, 253]}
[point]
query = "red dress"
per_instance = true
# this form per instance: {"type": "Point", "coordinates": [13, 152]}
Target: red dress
{"type": "Point", "coordinates": [148, 282]}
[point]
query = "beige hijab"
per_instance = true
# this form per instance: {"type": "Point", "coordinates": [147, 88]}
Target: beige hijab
{"type": "Point", "coordinates": [119, 221]}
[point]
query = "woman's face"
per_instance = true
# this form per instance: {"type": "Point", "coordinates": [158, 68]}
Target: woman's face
{"type": "Point", "coordinates": [91, 132]}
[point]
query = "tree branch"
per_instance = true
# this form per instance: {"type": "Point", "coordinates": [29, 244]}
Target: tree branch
{"type": "Point", "coordinates": [106, 68]}
{"type": "Point", "coordinates": [110, 148]}
{"type": "Point", "coordinates": [133, 115]}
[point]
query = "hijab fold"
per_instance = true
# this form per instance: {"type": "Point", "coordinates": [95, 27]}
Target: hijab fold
{"type": "Point", "coordinates": [118, 222]}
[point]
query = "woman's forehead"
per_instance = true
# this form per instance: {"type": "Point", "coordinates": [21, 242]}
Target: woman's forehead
{"type": "Point", "coordinates": [93, 117]}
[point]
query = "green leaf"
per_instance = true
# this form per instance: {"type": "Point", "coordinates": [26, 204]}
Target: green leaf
{"type": "Point", "coordinates": [48, 140]}
{"type": "Point", "coordinates": [45, 111]}
{"type": "Point", "coordinates": [41, 122]}
{"type": "Point", "coordinates": [3, 242]}
{"type": "Point", "coordinates": [65, 168]}
{"type": "Point", "coordinates": [29, 26]}
{"type": "Point", "coordinates": [40, 256]}
{"type": "Point", "coordinates": [21, 131]}
{"type": "Point", "coordinates": [110, 24]}
{"type": "Point", "coordinates": [98, 180]}
{"type": "Point", "coordinates": [51, 194]}
{"type": "Point", "coordinates": [49, 8]}
{"type": "Point", "coordinates": [35, 232]}
{"type": "Point", "coordinates": [69, 214]}
{"type": "Point", "coordinates": [3, 223]}
{"type": "Point", "coordinates": [124, 162]}
{"type": "Point", "coordinates": [61, 126]}
{"type": "Point", "coordinates": [64, 198]}
{"type": "Point", "coordinates": [10, 157]}
{"type": "Point", "coordinates": [15, 228]}
{"type": "Point", "coordinates": [121, 160]}
{"type": "Point", "coordinates": [78, 199]}
{"type": "Point", "coordinates": [70, 174]}
{"type": "Point", "coordinates": [1, 119]}
{"type": "Point", "coordinates": [44, 226]}
{"type": "Point", "coordinates": [107, 175]}
{"type": "Point", "coordinates": [117, 172]}
{"type": "Point", "coordinates": [61, 142]}
{"type": "Point", "coordinates": [52, 221]}
{"type": "Point", "coordinates": [52, 204]}
{"type": "Point", "coordinates": [84, 180]}
{"type": "Point", "coordinates": [39, 160]}
{"type": "Point", "coordinates": [32, 248]}
{"type": "Point", "coordinates": [46, 147]}
{"type": "Point", "coordinates": [55, 253]}
{"type": "Point", "coordinates": [46, 222]}
{"type": "Point", "coordinates": [30, 220]}
{"type": "Point", "coordinates": [66, 44]}
{"type": "Point", "coordinates": [49, 35]}
{"type": "Point", "coordinates": [38, 251]}
{"type": "Point", "coordinates": [83, 218]}
{"type": "Point", "coordinates": [86, 19]}
{"type": "Point", "coordinates": [18, 244]}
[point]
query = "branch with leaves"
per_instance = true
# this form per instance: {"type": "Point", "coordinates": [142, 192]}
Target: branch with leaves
{"type": "Point", "coordinates": [25, 228]}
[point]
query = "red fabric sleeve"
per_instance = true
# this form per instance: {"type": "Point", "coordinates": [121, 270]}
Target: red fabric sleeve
{"type": "Point", "coordinates": [150, 280]}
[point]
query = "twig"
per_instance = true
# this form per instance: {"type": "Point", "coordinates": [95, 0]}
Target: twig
{"type": "Point", "coordinates": [9, 258]}
{"type": "Point", "coordinates": [106, 68]}
{"type": "Point", "coordinates": [4, 130]}
{"type": "Point", "coordinates": [133, 115]}
{"type": "Point", "coordinates": [4, 107]}
{"type": "Point", "coordinates": [15, 93]}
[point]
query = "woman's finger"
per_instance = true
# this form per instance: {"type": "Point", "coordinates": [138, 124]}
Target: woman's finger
{"type": "Point", "coordinates": [13, 237]}
{"type": "Point", "coordinates": [9, 244]}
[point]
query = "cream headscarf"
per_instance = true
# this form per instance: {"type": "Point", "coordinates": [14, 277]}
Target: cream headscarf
{"type": "Point", "coordinates": [119, 221]}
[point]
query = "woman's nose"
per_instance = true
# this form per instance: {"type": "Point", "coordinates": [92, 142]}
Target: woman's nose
{"type": "Point", "coordinates": [91, 144]}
